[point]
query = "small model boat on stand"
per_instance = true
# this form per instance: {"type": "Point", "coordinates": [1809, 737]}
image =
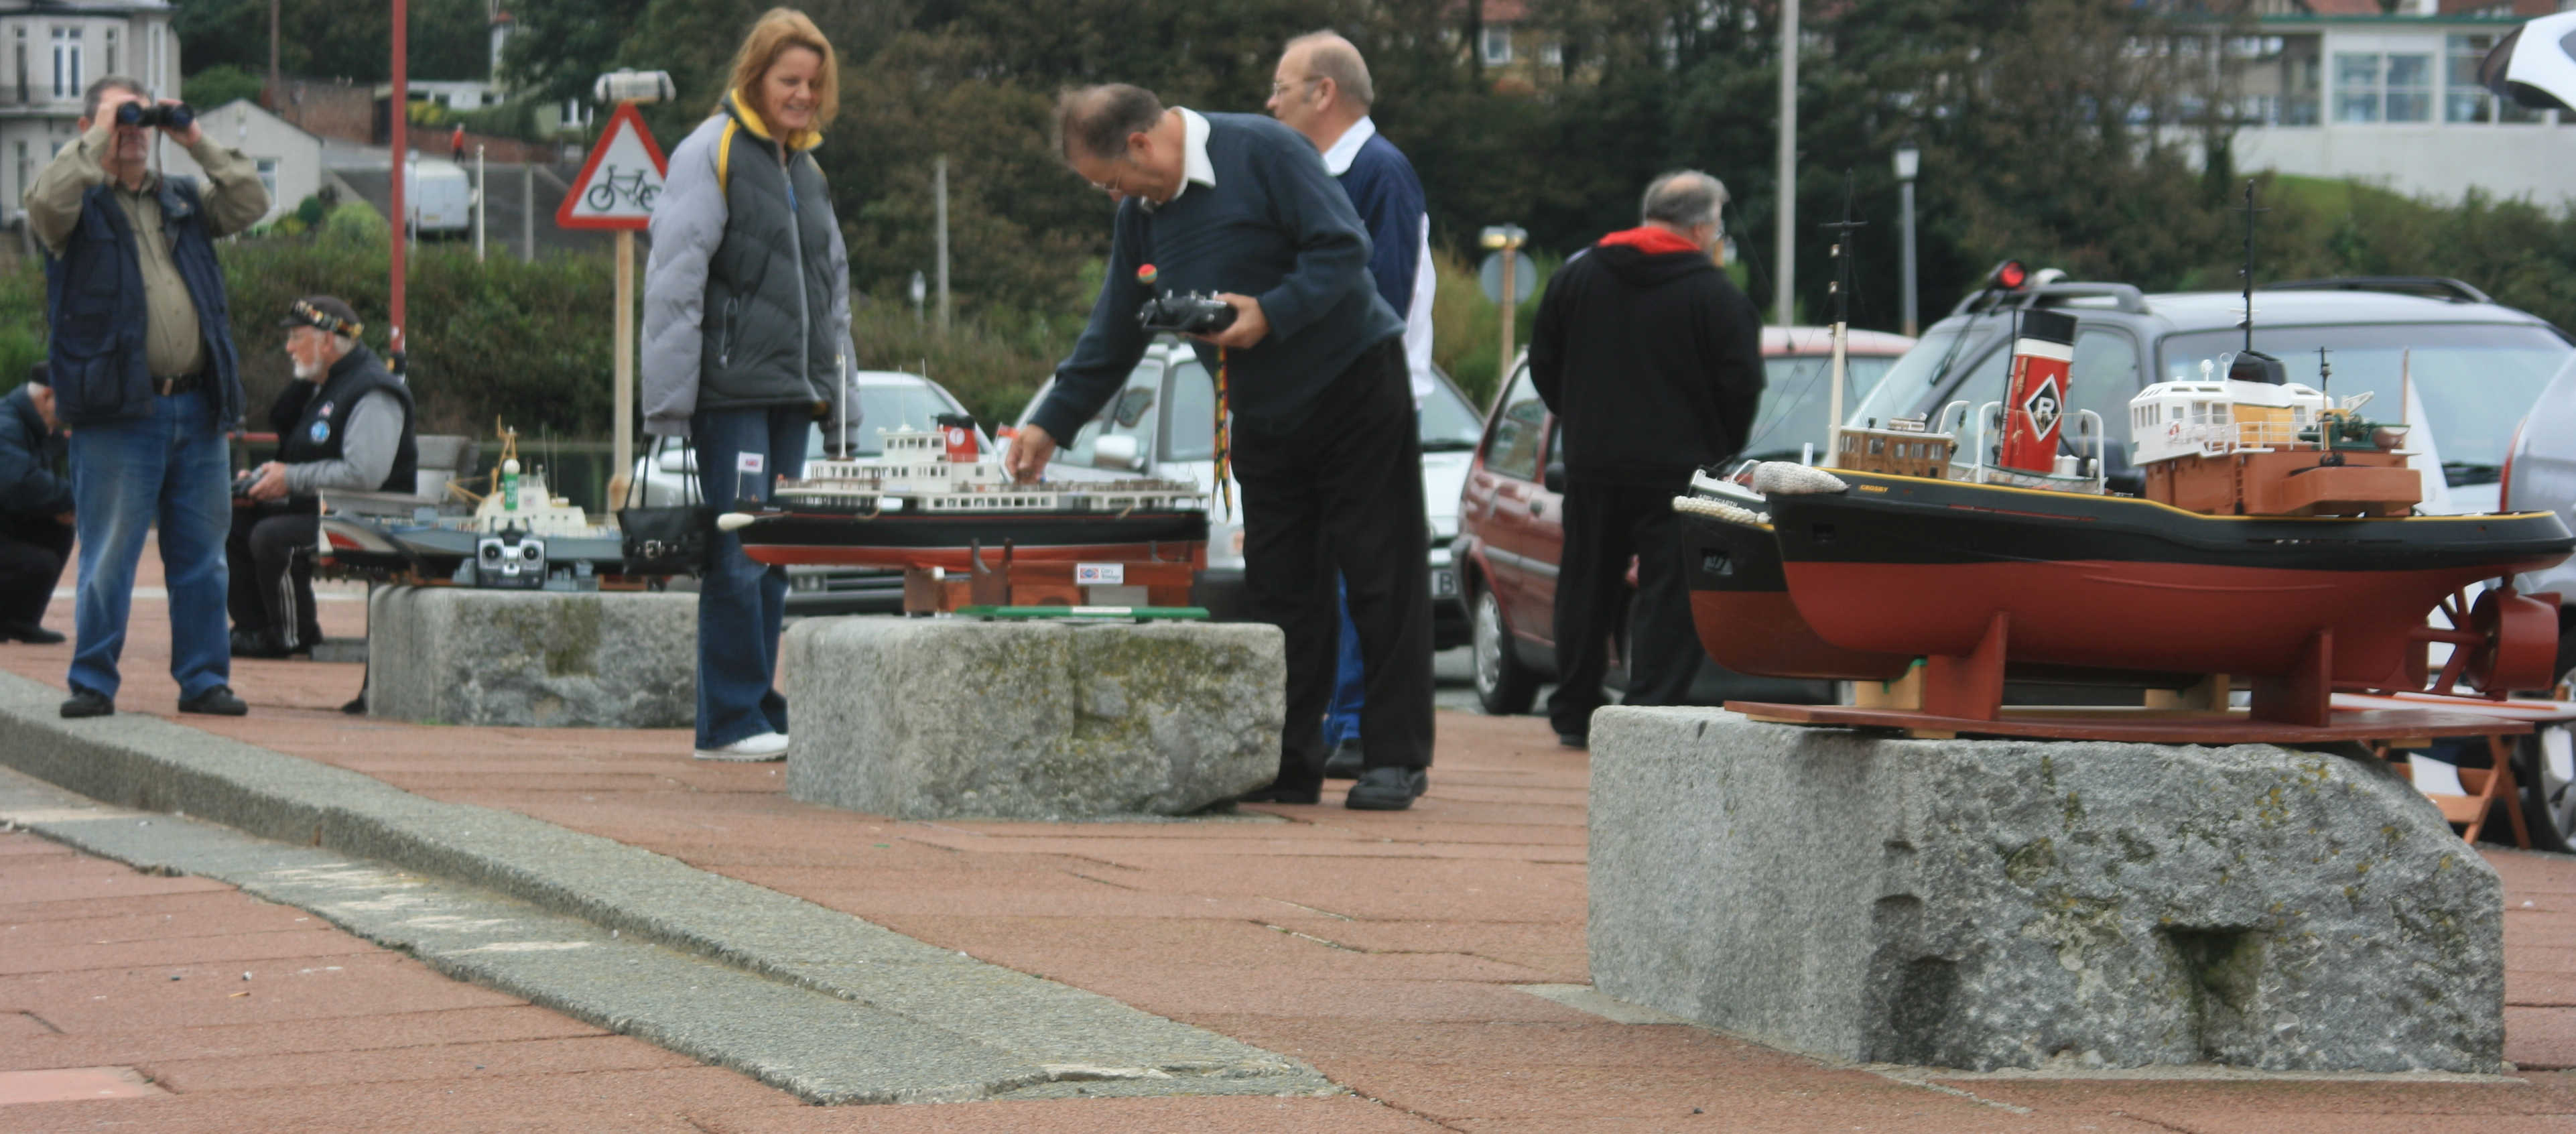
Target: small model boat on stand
{"type": "Point", "coordinates": [520, 535]}
{"type": "Point", "coordinates": [2275, 543]}
{"type": "Point", "coordinates": [935, 504]}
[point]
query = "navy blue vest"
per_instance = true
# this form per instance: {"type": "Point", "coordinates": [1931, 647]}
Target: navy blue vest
{"type": "Point", "coordinates": [95, 310]}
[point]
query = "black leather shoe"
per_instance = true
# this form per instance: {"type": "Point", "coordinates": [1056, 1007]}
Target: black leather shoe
{"type": "Point", "coordinates": [30, 633]}
{"type": "Point", "coordinates": [1388, 789]}
{"type": "Point", "coordinates": [1281, 793]}
{"type": "Point", "coordinates": [1345, 762]}
{"type": "Point", "coordinates": [1574, 740]}
{"type": "Point", "coordinates": [84, 703]}
{"type": "Point", "coordinates": [216, 702]}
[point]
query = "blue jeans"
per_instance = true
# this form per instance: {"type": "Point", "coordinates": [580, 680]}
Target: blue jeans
{"type": "Point", "coordinates": [169, 468]}
{"type": "Point", "coordinates": [1350, 683]}
{"type": "Point", "coordinates": [742, 604]}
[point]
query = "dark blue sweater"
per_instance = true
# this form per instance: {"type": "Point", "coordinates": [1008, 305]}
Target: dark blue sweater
{"type": "Point", "coordinates": [1275, 227]}
{"type": "Point", "coordinates": [1388, 195]}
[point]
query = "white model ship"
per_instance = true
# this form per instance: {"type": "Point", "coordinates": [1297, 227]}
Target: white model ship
{"type": "Point", "coordinates": [935, 497]}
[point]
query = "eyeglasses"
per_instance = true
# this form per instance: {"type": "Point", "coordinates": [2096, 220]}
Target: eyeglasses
{"type": "Point", "coordinates": [1116, 186]}
{"type": "Point", "coordinates": [1280, 90]}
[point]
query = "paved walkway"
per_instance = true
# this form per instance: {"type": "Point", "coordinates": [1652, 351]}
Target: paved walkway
{"type": "Point", "coordinates": [1387, 950]}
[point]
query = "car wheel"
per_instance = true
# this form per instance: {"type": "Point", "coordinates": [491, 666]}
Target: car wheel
{"type": "Point", "coordinates": [1503, 685]}
{"type": "Point", "coordinates": [2545, 768]}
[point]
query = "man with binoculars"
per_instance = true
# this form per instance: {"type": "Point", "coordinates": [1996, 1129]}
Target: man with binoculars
{"type": "Point", "coordinates": [144, 375]}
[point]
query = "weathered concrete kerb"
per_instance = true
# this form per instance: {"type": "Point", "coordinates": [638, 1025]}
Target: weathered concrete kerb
{"type": "Point", "coordinates": [942, 718]}
{"type": "Point", "coordinates": [1990, 904]}
{"type": "Point", "coordinates": [907, 1021]}
{"type": "Point", "coordinates": [594, 659]}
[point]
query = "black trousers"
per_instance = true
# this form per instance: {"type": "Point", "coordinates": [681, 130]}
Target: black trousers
{"type": "Point", "coordinates": [33, 550]}
{"type": "Point", "coordinates": [270, 554]}
{"type": "Point", "coordinates": [1344, 492]}
{"type": "Point", "coordinates": [1604, 525]}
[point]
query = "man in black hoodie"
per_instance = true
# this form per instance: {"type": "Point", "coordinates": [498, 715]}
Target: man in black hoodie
{"type": "Point", "coordinates": [1651, 360]}
{"type": "Point", "coordinates": [35, 511]}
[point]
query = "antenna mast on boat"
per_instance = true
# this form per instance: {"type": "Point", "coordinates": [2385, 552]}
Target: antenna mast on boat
{"type": "Point", "coordinates": [2247, 272]}
{"type": "Point", "coordinates": [1840, 291]}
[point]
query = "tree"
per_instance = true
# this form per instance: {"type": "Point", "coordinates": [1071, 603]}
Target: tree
{"type": "Point", "coordinates": [449, 39]}
{"type": "Point", "coordinates": [221, 84]}
{"type": "Point", "coordinates": [557, 47]}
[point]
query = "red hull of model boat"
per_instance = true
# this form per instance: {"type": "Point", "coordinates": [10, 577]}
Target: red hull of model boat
{"type": "Point", "coordinates": [1761, 632]}
{"type": "Point", "coordinates": [960, 558]}
{"type": "Point", "coordinates": [2177, 617]}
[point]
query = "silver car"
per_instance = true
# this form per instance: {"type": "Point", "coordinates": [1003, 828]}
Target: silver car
{"type": "Point", "coordinates": [2539, 475]}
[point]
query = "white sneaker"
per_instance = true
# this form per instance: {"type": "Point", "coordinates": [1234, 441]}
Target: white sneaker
{"type": "Point", "coordinates": [750, 749]}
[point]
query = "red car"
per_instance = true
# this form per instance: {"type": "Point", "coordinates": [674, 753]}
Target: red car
{"type": "Point", "coordinates": [1511, 526]}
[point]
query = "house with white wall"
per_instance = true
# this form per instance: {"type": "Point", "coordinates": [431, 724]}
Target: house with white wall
{"type": "Point", "coordinates": [50, 51]}
{"type": "Point", "coordinates": [289, 160]}
{"type": "Point", "coordinates": [2333, 88]}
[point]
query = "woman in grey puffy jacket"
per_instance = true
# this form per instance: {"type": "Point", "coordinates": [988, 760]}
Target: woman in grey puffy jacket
{"type": "Point", "coordinates": [746, 326]}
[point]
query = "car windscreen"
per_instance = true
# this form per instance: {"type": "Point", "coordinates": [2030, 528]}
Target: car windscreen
{"type": "Point", "coordinates": [1449, 424]}
{"type": "Point", "coordinates": [1192, 436]}
{"type": "Point", "coordinates": [1909, 385]}
{"type": "Point", "coordinates": [888, 407]}
{"type": "Point", "coordinates": [1797, 399]}
{"type": "Point", "coordinates": [2473, 382]}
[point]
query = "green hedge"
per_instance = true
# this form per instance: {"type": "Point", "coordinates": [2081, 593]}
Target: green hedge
{"type": "Point", "coordinates": [525, 343]}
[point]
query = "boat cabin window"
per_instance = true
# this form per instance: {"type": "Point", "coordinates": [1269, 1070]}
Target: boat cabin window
{"type": "Point", "coordinates": [1877, 446]}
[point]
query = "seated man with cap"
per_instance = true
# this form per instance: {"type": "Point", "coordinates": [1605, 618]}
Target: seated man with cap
{"type": "Point", "coordinates": [344, 424]}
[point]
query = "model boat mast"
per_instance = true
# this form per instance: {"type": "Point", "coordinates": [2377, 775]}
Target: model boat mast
{"type": "Point", "coordinates": [1839, 289]}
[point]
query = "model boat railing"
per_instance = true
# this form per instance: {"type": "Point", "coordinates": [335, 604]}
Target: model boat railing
{"type": "Point", "coordinates": [1991, 414]}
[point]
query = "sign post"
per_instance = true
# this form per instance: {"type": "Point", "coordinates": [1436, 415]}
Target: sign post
{"type": "Point", "coordinates": [616, 190]}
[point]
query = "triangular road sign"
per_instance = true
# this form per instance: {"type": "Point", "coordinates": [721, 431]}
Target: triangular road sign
{"type": "Point", "coordinates": [618, 185]}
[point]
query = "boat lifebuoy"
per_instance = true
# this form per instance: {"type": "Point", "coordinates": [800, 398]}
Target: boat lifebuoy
{"type": "Point", "coordinates": [2173, 432]}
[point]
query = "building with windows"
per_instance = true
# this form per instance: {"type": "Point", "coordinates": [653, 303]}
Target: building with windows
{"type": "Point", "coordinates": [1513, 51]}
{"type": "Point", "coordinates": [2333, 88]}
{"type": "Point", "coordinates": [53, 50]}
{"type": "Point", "coordinates": [289, 159]}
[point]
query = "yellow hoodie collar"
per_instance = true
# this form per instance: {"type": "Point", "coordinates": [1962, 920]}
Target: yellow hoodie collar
{"type": "Point", "coordinates": [801, 140]}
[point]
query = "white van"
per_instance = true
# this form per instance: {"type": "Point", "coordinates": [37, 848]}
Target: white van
{"type": "Point", "coordinates": [440, 197]}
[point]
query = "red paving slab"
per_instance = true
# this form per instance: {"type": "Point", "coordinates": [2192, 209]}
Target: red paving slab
{"type": "Point", "coordinates": [1379, 947]}
{"type": "Point", "coordinates": [326, 1032]}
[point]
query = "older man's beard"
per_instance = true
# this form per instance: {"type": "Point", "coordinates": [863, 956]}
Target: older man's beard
{"type": "Point", "coordinates": [304, 371]}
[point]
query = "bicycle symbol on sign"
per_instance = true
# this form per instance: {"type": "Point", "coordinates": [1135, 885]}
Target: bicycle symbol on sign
{"type": "Point", "coordinates": [612, 186]}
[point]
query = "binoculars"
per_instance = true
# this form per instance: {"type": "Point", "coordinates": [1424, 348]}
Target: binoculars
{"type": "Point", "coordinates": [168, 116]}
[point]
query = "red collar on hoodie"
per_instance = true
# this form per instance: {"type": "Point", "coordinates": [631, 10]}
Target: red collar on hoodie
{"type": "Point", "coordinates": [1651, 240]}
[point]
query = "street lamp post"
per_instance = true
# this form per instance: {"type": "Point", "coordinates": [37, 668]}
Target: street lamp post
{"type": "Point", "coordinates": [1506, 241]}
{"type": "Point", "coordinates": [1908, 161]}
